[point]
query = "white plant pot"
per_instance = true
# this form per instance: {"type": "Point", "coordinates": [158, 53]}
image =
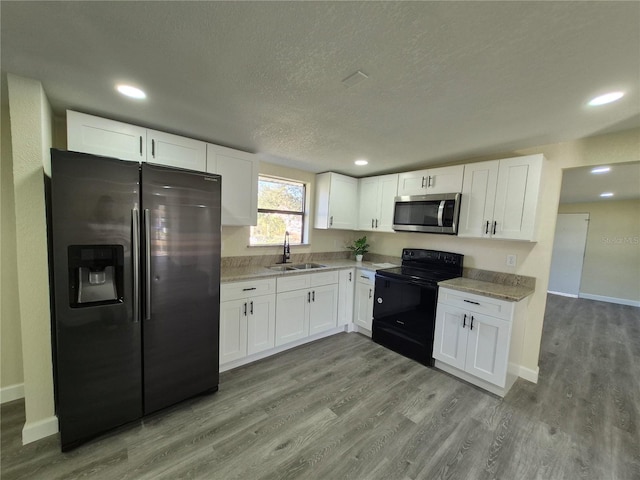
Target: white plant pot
{"type": "Point", "coordinates": [358, 258]}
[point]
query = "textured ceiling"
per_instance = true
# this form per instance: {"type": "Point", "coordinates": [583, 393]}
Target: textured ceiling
{"type": "Point", "coordinates": [447, 80]}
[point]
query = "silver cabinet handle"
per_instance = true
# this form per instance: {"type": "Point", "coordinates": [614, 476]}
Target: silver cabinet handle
{"type": "Point", "coordinates": [135, 257]}
{"type": "Point", "coordinates": [147, 253]}
{"type": "Point", "coordinates": [429, 183]}
{"type": "Point", "coordinates": [422, 184]}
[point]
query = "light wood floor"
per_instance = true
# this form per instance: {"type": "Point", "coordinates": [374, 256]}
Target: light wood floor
{"type": "Point", "coordinates": [344, 407]}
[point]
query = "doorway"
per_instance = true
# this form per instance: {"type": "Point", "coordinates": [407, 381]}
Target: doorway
{"type": "Point", "coordinates": [568, 254]}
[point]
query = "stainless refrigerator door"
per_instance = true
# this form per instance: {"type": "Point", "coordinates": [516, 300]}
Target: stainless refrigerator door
{"type": "Point", "coordinates": [97, 332]}
{"type": "Point", "coordinates": [180, 309]}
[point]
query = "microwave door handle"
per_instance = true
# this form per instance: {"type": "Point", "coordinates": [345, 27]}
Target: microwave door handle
{"type": "Point", "coordinates": [441, 214]}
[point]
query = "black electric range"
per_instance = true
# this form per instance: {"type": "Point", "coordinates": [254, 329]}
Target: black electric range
{"type": "Point", "coordinates": [404, 309]}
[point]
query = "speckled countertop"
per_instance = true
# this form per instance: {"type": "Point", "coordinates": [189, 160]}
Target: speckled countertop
{"type": "Point", "coordinates": [501, 291]}
{"type": "Point", "coordinates": [236, 274]}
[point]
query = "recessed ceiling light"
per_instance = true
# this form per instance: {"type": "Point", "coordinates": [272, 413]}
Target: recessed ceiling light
{"type": "Point", "coordinates": [606, 194]}
{"type": "Point", "coordinates": [354, 79]}
{"type": "Point", "coordinates": [606, 98]}
{"type": "Point", "coordinates": [600, 169]}
{"type": "Point", "coordinates": [361, 162]}
{"type": "Point", "coordinates": [131, 91]}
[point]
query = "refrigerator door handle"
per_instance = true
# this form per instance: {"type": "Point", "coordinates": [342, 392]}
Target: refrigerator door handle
{"type": "Point", "coordinates": [135, 218]}
{"type": "Point", "coordinates": [147, 264]}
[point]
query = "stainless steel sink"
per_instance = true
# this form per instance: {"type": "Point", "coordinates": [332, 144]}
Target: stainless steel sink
{"type": "Point", "coordinates": [306, 266]}
{"type": "Point", "coordinates": [294, 266]}
{"type": "Point", "coordinates": [281, 268]}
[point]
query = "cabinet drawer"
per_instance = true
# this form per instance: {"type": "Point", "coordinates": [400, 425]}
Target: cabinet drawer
{"type": "Point", "coordinates": [324, 278]}
{"type": "Point", "coordinates": [289, 283]}
{"type": "Point", "coordinates": [239, 290]}
{"type": "Point", "coordinates": [365, 276]}
{"type": "Point", "coordinates": [476, 303]}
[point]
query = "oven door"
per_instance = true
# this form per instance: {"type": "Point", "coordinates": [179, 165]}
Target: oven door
{"type": "Point", "coordinates": [404, 316]}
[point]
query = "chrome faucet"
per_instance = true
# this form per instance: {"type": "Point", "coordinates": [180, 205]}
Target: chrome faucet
{"type": "Point", "coordinates": [286, 252]}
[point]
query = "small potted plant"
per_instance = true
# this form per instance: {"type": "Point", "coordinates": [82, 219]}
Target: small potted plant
{"type": "Point", "coordinates": [359, 247]}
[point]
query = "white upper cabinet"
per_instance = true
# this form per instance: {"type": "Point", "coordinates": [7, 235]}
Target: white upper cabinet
{"type": "Point", "coordinates": [336, 201]}
{"type": "Point", "coordinates": [433, 180]}
{"type": "Point", "coordinates": [176, 151]}
{"type": "Point", "coordinates": [500, 198]}
{"type": "Point", "coordinates": [239, 171]}
{"type": "Point", "coordinates": [99, 136]}
{"type": "Point", "coordinates": [376, 202]}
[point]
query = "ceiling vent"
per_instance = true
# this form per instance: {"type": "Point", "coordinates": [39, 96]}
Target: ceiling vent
{"type": "Point", "coordinates": [354, 79]}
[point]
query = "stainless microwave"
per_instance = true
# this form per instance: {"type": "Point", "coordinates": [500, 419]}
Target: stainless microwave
{"type": "Point", "coordinates": [427, 213]}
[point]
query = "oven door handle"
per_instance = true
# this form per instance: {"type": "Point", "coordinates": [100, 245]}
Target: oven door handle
{"type": "Point", "coordinates": [441, 213]}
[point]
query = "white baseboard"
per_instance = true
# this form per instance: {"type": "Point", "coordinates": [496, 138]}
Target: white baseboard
{"type": "Point", "coordinates": [11, 393]}
{"type": "Point", "coordinates": [602, 298]}
{"type": "Point", "coordinates": [528, 374]}
{"type": "Point", "coordinates": [562, 294]}
{"type": "Point", "coordinates": [42, 428]}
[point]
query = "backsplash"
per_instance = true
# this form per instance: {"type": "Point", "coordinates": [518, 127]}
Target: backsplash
{"type": "Point", "coordinates": [499, 277]}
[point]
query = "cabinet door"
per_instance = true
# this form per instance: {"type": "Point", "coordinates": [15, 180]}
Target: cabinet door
{"type": "Point", "coordinates": [488, 348]}
{"type": "Point", "coordinates": [239, 172]}
{"type": "Point", "coordinates": [175, 151]}
{"type": "Point", "coordinates": [445, 179]}
{"type": "Point", "coordinates": [292, 316]}
{"type": "Point", "coordinates": [368, 203]}
{"type": "Point", "coordinates": [343, 202]}
{"type": "Point", "coordinates": [387, 192]}
{"type": "Point", "coordinates": [99, 136]}
{"type": "Point", "coordinates": [450, 337]}
{"type": "Point", "coordinates": [323, 312]}
{"type": "Point", "coordinates": [364, 305]}
{"type": "Point", "coordinates": [517, 197]}
{"type": "Point", "coordinates": [233, 330]}
{"type": "Point", "coordinates": [412, 183]}
{"type": "Point", "coordinates": [478, 199]}
{"type": "Point", "coordinates": [346, 292]}
{"type": "Point", "coordinates": [261, 325]}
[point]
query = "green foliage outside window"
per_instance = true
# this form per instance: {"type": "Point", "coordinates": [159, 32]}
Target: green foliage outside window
{"type": "Point", "coordinates": [280, 210]}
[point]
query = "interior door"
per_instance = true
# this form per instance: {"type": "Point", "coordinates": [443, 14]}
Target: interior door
{"type": "Point", "coordinates": [568, 253]}
{"type": "Point", "coordinates": [182, 284]}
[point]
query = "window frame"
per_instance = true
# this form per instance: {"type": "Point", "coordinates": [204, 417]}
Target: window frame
{"type": "Point", "coordinates": [302, 213]}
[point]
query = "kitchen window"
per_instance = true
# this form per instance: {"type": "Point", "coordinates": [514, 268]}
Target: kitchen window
{"type": "Point", "coordinates": [281, 208]}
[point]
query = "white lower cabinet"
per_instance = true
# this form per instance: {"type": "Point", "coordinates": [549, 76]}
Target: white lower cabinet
{"type": "Point", "coordinates": [365, 284]}
{"type": "Point", "coordinates": [247, 318]}
{"type": "Point", "coordinates": [305, 311]}
{"type": "Point", "coordinates": [479, 346]}
{"type": "Point", "coordinates": [346, 290]}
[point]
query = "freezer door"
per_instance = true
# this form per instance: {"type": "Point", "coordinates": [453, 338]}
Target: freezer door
{"type": "Point", "coordinates": [180, 309]}
{"type": "Point", "coordinates": [97, 334]}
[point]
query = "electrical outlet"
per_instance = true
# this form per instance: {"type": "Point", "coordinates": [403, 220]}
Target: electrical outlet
{"type": "Point", "coordinates": [512, 260]}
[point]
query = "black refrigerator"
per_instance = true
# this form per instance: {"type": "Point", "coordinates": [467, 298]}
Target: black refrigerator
{"type": "Point", "coordinates": [135, 259]}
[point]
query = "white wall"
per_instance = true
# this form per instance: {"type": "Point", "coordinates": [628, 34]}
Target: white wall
{"type": "Point", "coordinates": [611, 266]}
{"type": "Point", "coordinates": [31, 138]}
{"type": "Point", "coordinates": [11, 376]}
